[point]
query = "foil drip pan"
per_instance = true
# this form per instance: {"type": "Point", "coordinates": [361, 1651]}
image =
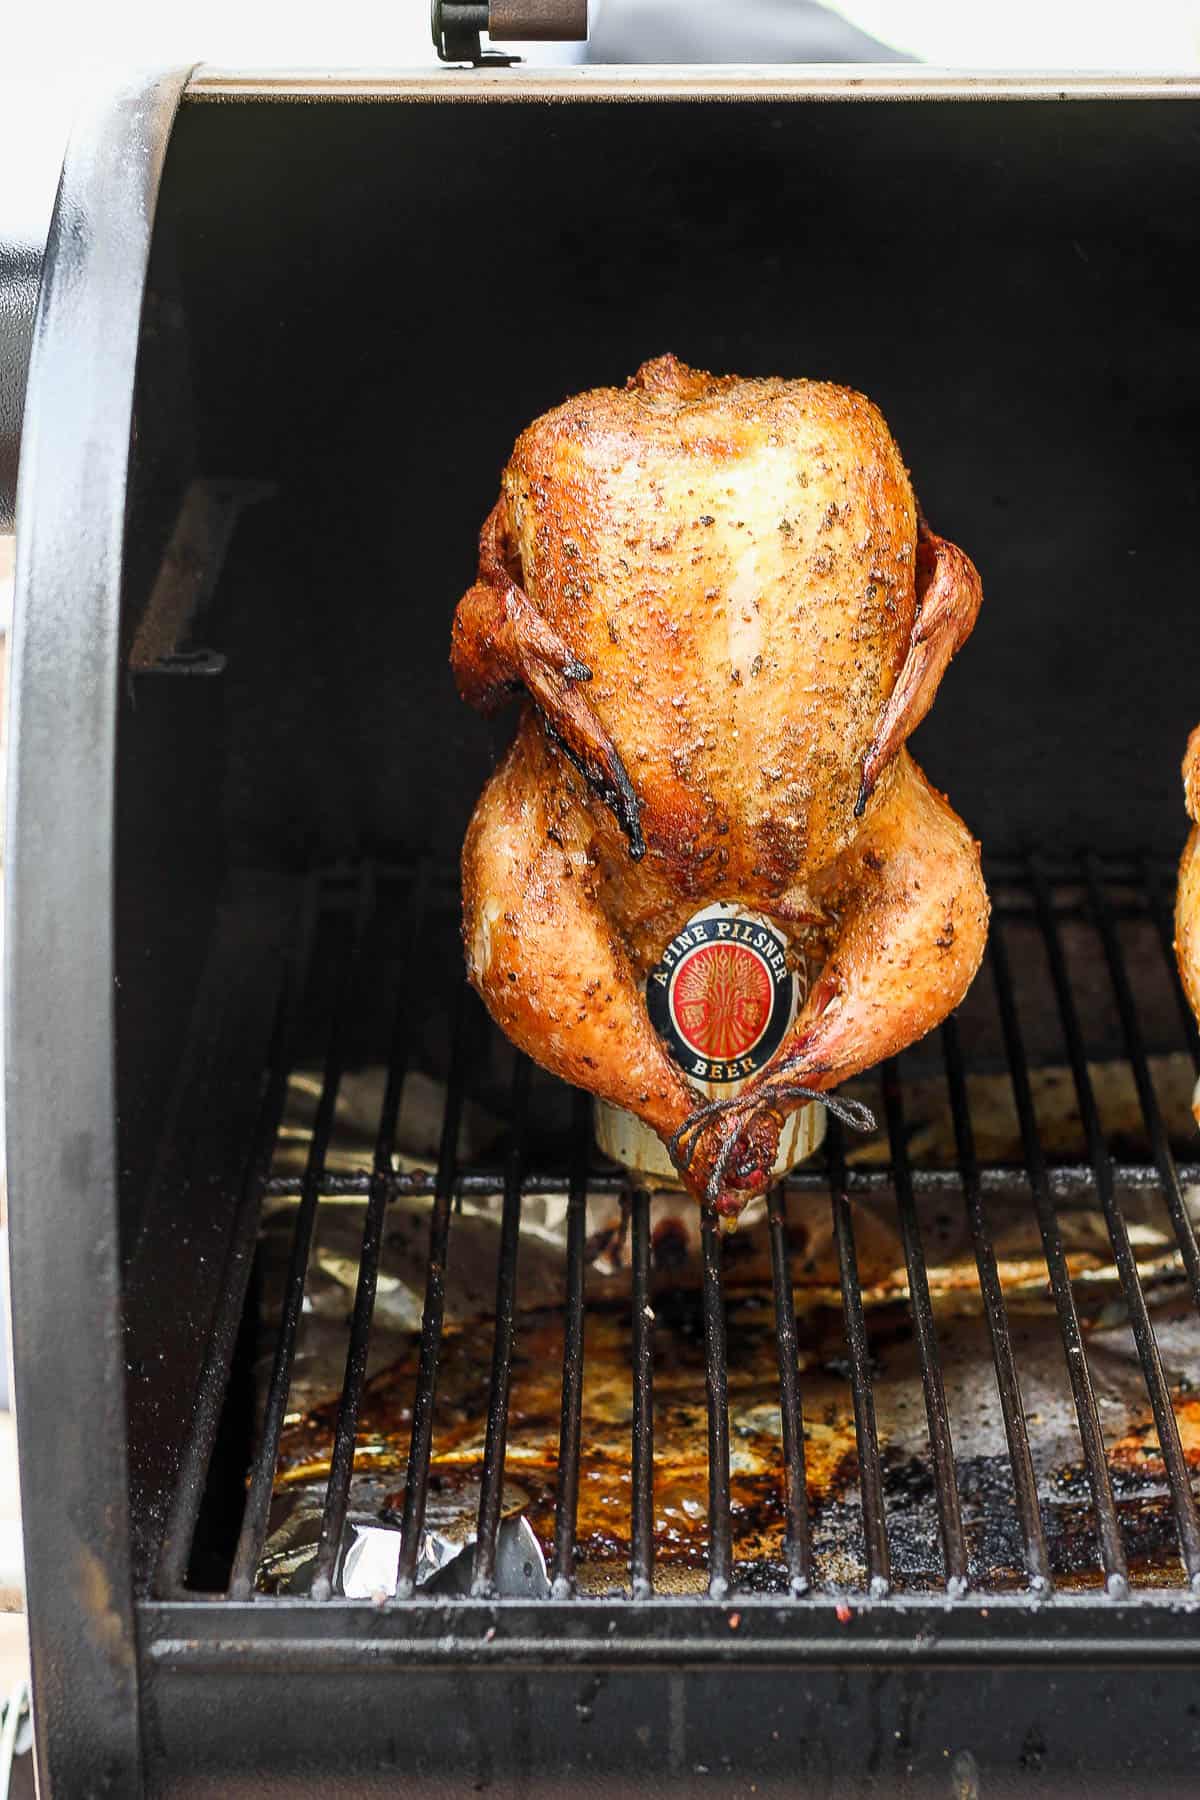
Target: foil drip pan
{"type": "Point", "coordinates": [680, 1511]}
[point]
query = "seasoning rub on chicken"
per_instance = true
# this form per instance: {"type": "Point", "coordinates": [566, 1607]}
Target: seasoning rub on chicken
{"type": "Point", "coordinates": [725, 615]}
{"type": "Point", "coordinates": [1187, 899]}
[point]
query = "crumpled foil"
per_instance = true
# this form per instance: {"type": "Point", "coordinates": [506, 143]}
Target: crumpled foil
{"type": "Point", "coordinates": [366, 1566]}
{"type": "Point", "coordinates": [681, 1439]}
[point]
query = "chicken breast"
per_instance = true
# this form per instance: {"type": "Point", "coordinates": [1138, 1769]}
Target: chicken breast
{"type": "Point", "coordinates": [726, 616]}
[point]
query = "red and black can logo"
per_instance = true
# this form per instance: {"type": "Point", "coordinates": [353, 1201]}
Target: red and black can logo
{"type": "Point", "coordinates": [722, 995]}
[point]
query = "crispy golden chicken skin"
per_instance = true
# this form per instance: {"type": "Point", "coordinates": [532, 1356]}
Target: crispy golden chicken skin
{"type": "Point", "coordinates": [726, 616]}
{"type": "Point", "coordinates": [1187, 900]}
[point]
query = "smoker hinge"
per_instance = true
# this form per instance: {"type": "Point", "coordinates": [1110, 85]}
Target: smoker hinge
{"type": "Point", "coordinates": [456, 26]}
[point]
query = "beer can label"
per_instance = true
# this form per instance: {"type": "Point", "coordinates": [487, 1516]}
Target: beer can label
{"type": "Point", "coordinates": [722, 996]}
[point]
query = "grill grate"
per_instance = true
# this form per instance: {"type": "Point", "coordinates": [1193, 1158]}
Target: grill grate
{"type": "Point", "coordinates": [1033, 898]}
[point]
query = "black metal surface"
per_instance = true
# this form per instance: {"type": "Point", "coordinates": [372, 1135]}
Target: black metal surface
{"type": "Point", "coordinates": [870, 1474]}
{"type": "Point", "coordinates": [236, 1268]}
{"type": "Point", "coordinates": [716, 1381]}
{"type": "Point", "coordinates": [502, 1349]}
{"type": "Point", "coordinates": [1025, 898]}
{"type": "Point", "coordinates": [342, 1461]}
{"type": "Point", "coordinates": [963, 1671]}
{"type": "Point", "coordinates": [1068, 1182]}
{"type": "Point", "coordinates": [417, 1478]}
{"type": "Point", "coordinates": [1172, 1188]}
{"type": "Point", "coordinates": [641, 1523]}
{"type": "Point", "coordinates": [1156, 1629]}
{"type": "Point", "coordinates": [1090, 1433]}
{"type": "Point", "coordinates": [705, 184]}
{"type": "Point", "coordinates": [798, 1538]}
{"type": "Point", "coordinates": [61, 1101]}
{"type": "Point", "coordinates": [954, 1549]}
{"type": "Point", "coordinates": [258, 1500]}
{"type": "Point", "coordinates": [1012, 1406]}
{"type": "Point", "coordinates": [456, 26]}
{"type": "Point", "coordinates": [567, 1499]}
{"type": "Point", "coordinates": [1139, 1316]}
{"type": "Point", "coordinates": [756, 1729]}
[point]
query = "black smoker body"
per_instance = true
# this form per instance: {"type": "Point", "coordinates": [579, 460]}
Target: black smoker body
{"type": "Point", "coordinates": [287, 333]}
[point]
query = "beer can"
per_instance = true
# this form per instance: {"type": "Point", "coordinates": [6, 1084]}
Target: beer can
{"type": "Point", "coordinates": [722, 997]}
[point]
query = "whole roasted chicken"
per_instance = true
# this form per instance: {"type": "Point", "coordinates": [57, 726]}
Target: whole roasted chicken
{"type": "Point", "coordinates": [1187, 900]}
{"type": "Point", "coordinates": [725, 615]}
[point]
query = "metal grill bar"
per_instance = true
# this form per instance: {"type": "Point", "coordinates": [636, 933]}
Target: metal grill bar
{"type": "Point", "coordinates": [416, 1484]}
{"type": "Point", "coordinates": [716, 1380]}
{"type": "Point", "coordinates": [1012, 1405]}
{"type": "Point", "coordinates": [1029, 898]}
{"type": "Point", "coordinates": [1070, 1183]}
{"type": "Point", "coordinates": [641, 1524]}
{"type": "Point", "coordinates": [1139, 1317]}
{"type": "Point", "coordinates": [566, 1506]}
{"type": "Point", "coordinates": [189, 1492]}
{"type": "Point", "coordinates": [870, 1474]}
{"type": "Point", "coordinates": [341, 1466]}
{"type": "Point", "coordinates": [258, 1499]}
{"type": "Point", "coordinates": [798, 1536]}
{"type": "Point", "coordinates": [1147, 1098]}
{"type": "Point", "coordinates": [491, 1487]}
{"type": "Point", "coordinates": [941, 1446]}
{"type": "Point", "coordinates": [1092, 1438]}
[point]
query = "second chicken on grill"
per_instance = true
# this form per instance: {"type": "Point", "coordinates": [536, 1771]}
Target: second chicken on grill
{"type": "Point", "coordinates": [1187, 904]}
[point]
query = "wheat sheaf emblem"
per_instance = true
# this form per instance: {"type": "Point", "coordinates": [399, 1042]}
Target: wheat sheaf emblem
{"type": "Point", "coordinates": [722, 1000]}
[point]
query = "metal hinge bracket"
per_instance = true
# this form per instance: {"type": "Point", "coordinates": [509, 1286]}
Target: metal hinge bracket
{"type": "Point", "coordinates": [456, 26]}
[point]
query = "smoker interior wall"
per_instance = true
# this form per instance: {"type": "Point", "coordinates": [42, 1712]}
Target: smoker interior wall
{"type": "Point", "coordinates": [362, 304]}
{"type": "Point", "coordinates": [170, 734]}
{"type": "Point", "coordinates": [378, 296]}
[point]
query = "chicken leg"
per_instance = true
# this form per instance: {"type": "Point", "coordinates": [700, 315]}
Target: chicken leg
{"type": "Point", "coordinates": [540, 951]}
{"type": "Point", "coordinates": [912, 914]}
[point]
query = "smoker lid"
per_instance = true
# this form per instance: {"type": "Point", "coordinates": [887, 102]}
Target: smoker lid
{"type": "Point", "coordinates": [707, 81]}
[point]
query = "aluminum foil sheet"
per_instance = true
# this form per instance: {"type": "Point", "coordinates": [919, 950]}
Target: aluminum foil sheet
{"type": "Point", "coordinates": [681, 1432]}
{"type": "Point", "coordinates": [366, 1566]}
